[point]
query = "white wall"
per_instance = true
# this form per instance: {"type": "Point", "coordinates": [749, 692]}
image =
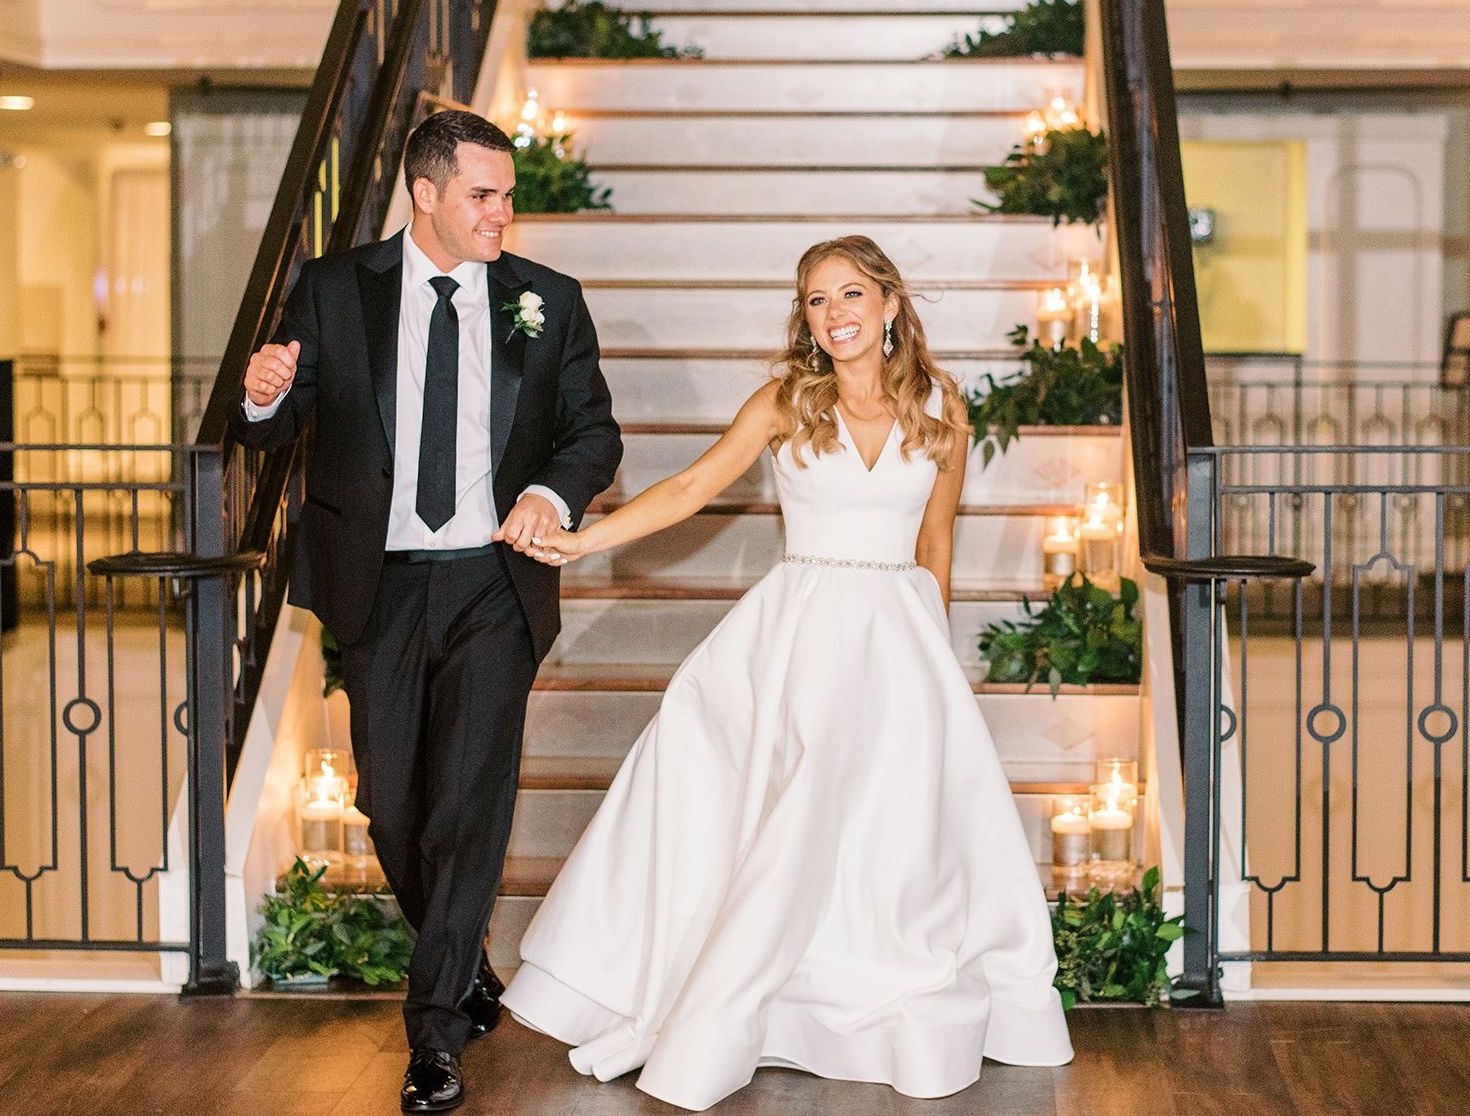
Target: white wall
{"type": "Point", "coordinates": [1376, 212]}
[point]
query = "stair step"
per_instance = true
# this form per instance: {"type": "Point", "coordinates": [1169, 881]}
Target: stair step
{"type": "Point", "coordinates": [998, 545]}
{"type": "Point", "coordinates": [648, 589]}
{"type": "Point", "coordinates": [700, 385]}
{"type": "Point", "coordinates": [672, 8]}
{"type": "Point", "coordinates": [1046, 470]}
{"type": "Point", "coordinates": [684, 248]}
{"type": "Point", "coordinates": [875, 35]}
{"type": "Point", "coordinates": [614, 140]}
{"type": "Point", "coordinates": [820, 83]}
{"type": "Point", "coordinates": [654, 678]}
{"type": "Point", "coordinates": [623, 630]}
{"type": "Point", "coordinates": [682, 315]}
{"type": "Point", "coordinates": [548, 823]}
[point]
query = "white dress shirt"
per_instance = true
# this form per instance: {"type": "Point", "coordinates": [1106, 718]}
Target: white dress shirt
{"type": "Point", "coordinates": [475, 518]}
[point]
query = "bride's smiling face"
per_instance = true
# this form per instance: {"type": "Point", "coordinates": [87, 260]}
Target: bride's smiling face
{"type": "Point", "coordinates": [845, 310]}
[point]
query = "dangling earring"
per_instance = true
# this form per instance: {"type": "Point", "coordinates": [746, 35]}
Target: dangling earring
{"type": "Point", "coordinates": [813, 358]}
{"type": "Point", "coordinates": [888, 337]}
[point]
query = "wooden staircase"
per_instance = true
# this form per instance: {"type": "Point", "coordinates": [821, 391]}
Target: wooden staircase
{"type": "Point", "coordinates": [805, 120]}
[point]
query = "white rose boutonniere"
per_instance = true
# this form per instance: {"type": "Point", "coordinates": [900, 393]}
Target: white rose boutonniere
{"type": "Point", "coordinates": [527, 314]}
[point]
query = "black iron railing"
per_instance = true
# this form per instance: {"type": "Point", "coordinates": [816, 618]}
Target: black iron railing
{"type": "Point", "coordinates": [1168, 415]}
{"type": "Point", "coordinates": [206, 542]}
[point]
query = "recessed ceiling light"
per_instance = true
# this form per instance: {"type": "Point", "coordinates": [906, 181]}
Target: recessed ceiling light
{"type": "Point", "coordinates": [17, 103]}
{"type": "Point", "coordinates": [158, 128]}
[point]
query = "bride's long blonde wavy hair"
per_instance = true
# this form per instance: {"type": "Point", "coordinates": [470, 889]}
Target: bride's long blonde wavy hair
{"type": "Point", "coordinates": [807, 395]}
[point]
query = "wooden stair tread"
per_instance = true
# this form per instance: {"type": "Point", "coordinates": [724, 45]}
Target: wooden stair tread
{"type": "Point", "coordinates": [654, 678]}
{"type": "Point", "coordinates": [790, 168]}
{"type": "Point", "coordinates": [623, 63]}
{"type": "Point", "coordinates": [631, 353]}
{"type": "Point", "coordinates": [531, 877]}
{"type": "Point", "coordinates": [682, 283]}
{"type": "Point", "coordinates": [730, 589]}
{"type": "Point", "coordinates": [796, 114]}
{"type": "Point", "coordinates": [701, 426]}
{"type": "Point", "coordinates": [607, 217]}
{"type": "Point", "coordinates": [604, 504]}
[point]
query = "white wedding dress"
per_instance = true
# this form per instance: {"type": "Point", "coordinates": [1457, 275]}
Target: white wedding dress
{"type": "Point", "coordinates": [810, 858]}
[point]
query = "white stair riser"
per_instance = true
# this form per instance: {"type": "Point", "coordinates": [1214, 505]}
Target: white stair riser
{"type": "Point", "coordinates": [1036, 469]}
{"type": "Point", "coordinates": [753, 35]}
{"type": "Point", "coordinates": [548, 823]}
{"type": "Point", "coordinates": [703, 389]}
{"type": "Point", "coordinates": [755, 317]}
{"type": "Point", "coordinates": [874, 87]}
{"type": "Point", "coordinates": [1001, 551]}
{"type": "Point", "coordinates": [999, 250]}
{"type": "Point", "coordinates": [796, 191]}
{"type": "Point", "coordinates": [513, 913]}
{"type": "Point", "coordinates": [611, 632]}
{"type": "Point", "coordinates": [662, 12]}
{"type": "Point", "coordinates": [1036, 738]}
{"type": "Point", "coordinates": [838, 140]}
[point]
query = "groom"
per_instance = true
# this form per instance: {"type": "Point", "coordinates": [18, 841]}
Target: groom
{"type": "Point", "coordinates": [460, 411]}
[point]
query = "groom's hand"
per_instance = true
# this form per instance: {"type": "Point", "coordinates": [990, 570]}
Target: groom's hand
{"type": "Point", "coordinates": [270, 372]}
{"type": "Point", "coordinates": [532, 516]}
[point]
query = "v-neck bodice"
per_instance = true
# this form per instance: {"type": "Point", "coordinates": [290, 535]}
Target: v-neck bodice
{"type": "Point", "coordinates": [835, 507]}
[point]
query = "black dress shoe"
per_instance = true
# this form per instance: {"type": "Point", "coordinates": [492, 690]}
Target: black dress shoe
{"type": "Point", "coordinates": [432, 1082]}
{"type": "Point", "coordinates": [483, 1003]}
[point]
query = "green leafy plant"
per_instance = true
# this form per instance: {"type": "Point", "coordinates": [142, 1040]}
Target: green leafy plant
{"type": "Point", "coordinates": [1042, 27]}
{"type": "Point", "coordinates": [1070, 386]}
{"type": "Point", "coordinates": [551, 179]}
{"type": "Point", "coordinates": [1067, 180]}
{"type": "Point", "coordinates": [331, 664]}
{"type": "Point", "coordinates": [1082, 634]}
{"type": "Point", "coordinates": [597, 30]}
{"type": "Point", "coordinates": [1111, 947]}
{"type": "Point", "coordinates": [308, 929]}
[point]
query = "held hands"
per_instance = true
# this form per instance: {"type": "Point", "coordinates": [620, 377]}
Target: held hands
{"type": "Point", "coordinates": [270, 372]}
{"type": "Point", "coordinates": [533, 519]}
{"type": "Point", "coordinates": [557, 548]}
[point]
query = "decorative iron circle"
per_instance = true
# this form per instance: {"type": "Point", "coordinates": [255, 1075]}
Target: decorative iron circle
{"type": "Point", "coordinates": [1228, 729]}
{"type": "Point", "coordinates": [1330, 710]}
{"type": "Point", "coordinates": [69, 716]}
{"type": "Point", "coordinates": [181, 718]}
{"type": "Point", "coordinates": [1452, 724]}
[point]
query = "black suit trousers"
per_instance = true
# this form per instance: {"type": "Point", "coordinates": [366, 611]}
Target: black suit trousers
{"type": "Point", "coordinates": [438, 684]}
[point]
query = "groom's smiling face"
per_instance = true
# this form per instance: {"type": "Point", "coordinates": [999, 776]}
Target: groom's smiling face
{"type": "Point", "coordinates": [468, 217]}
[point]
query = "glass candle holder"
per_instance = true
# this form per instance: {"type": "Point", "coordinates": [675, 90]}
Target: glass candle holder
{"type": "Point", "coordinates": [1071, 833]}
{"type": "Point", "coordinates": [1053, 316]}
{"type": "Point", "coordinates": [322, 802]}
{"type": "Point", "coordinates": [357, 846]}
{"type": "Point", "coordinates": [1111, 818]}
{"type": "Point", "coordinates": [1100, 534]}
{"type": "Point", "coordinates": [1058, 552]}
{"type": "Point", "coordinates": [1119, 776]}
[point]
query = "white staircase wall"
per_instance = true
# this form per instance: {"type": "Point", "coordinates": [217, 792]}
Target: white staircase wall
{"type": "Point", "coordinates": [877, 35]}
{"type": "Point", "coordinates": [952, 85]}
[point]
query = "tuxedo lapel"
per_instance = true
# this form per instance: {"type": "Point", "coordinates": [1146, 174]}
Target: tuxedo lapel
{"type": "Point", "coordinates": [507, 354]}
{"type": "Point", "coordinates": [380, 283]}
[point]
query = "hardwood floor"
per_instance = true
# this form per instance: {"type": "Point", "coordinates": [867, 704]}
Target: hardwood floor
{"type": "Point", "coordinates": [97, 1055]}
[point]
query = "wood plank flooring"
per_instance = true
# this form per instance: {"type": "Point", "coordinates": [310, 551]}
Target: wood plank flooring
{"type": "Point", "coordinates": [255, 1056]}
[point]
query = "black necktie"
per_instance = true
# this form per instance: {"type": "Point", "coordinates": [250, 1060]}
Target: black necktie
{"type": "Point", "coordinates": [434, 501]}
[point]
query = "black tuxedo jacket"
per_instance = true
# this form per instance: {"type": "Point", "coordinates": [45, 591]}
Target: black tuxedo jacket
{"type": "Point", "coordinates": [550, 417]}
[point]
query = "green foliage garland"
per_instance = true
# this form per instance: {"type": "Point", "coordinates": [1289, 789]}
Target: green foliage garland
{"type": "Point", "coordinates": [310, 930]}
{"type": "Point", "coordinates": [1111, 947]}
{"type": "Point", "coordinates": [597, 30]}
{"type": "Point", "coordinates": [332, 664]}
{"type": "Point", "coordinates": [1082, 634]}
{"type": "Point", "coordinates": [1080, 386]}
{"type": "Point", "coordinates": [1042, 27]}
{"type": "Point", "coordinates": [551, 179]}
{"type": "Point", "coordinates": [1066, 181]}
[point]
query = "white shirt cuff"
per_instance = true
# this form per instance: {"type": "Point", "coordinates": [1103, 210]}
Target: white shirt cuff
{"type": "Point", "coordinates": [254, 412]}
{"type": "Point", "coordinates": [564, 512]}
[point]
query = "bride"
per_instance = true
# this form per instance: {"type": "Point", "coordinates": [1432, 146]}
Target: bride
{"type": "Point", "coordinates": [810, 857]}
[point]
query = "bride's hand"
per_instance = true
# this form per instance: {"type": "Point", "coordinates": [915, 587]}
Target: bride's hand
{"type": "Point", "coordinates": [557, 549]}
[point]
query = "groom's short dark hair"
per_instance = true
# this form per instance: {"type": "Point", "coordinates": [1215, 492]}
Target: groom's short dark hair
{"type": "Point", "coordinates": [431, 146]}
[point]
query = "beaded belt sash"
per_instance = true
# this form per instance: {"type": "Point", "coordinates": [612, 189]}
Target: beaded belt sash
{"type": "Point", "coordinates": [851, 563]}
